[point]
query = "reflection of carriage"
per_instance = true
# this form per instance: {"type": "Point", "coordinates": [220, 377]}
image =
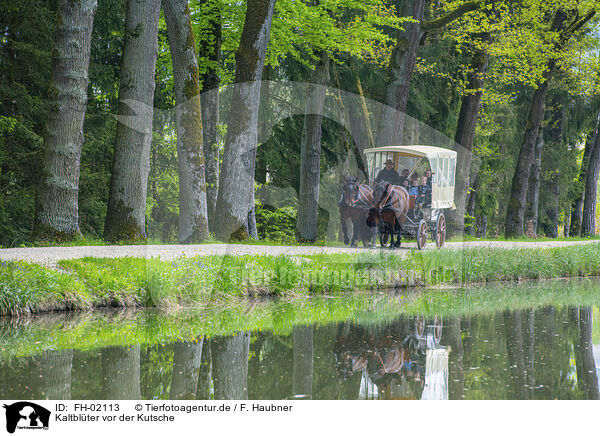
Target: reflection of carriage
{"type": "Point", "coordinates": [422, 219]}
{"type": "Point", "coordinates": [403, 359]}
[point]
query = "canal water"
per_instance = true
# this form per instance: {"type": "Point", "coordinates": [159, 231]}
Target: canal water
{"type": "Point", "coordinates": [521, 342]}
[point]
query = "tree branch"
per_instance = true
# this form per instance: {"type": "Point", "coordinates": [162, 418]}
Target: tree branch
{"type": "Point", "coordinates": [438, 23]}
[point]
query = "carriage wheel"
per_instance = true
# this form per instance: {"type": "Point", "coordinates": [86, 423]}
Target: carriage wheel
{"type": "Point", "coordinates": [422, 235]}
{"type": "Point", "coordinates": [440, 231]}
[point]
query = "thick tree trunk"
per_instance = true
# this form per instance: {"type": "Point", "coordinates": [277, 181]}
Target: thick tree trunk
{"type": "Point", "coordinates": [588, 224]}
{"type": "Point", "coordinates": [211, 113]}
{"type": "Point", "coordinates": [125, 216]}
{"type": "Point", "coordinates": [465, 134]}
{"type": "Point", "coordinates": [121, 373]}
{"type": "Point", "coordinates": [230, 367]}
{"type": "Point", "coordinates": [236, 187]}
{"type": "Point", "coordinates": [303, 362]}
{"type": "Point", "coordinates": [193, 220]}
{"type": "Point", "coordinates": [310, 154]}
{"type": "Point", "coordinates": [400, 71]}
{"type": "Point", "coordinates": [577, 213]}
{"type": "Point", "coordinates": [587, 379]}
{"type": "Point", "coordinates": [186, 366]}
{"type": "Point", "coordinates": [515, 211]}
{"type": "Point", "coordinates": [533, 192]}
{"type": "Point", "coordinates": [57, 211]}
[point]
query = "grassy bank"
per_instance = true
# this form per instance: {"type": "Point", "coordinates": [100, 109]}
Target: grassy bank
{"type": "Point", "coordinates": [91, 282]}
{"type": "Point", "coordinates": [97, 329]}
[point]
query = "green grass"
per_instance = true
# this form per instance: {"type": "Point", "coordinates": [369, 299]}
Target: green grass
{"type": "Point", "coordinates": [126, 282]}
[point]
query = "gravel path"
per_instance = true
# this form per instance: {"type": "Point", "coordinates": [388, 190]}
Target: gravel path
{"type": "Point", "coordinates": [49, 256]}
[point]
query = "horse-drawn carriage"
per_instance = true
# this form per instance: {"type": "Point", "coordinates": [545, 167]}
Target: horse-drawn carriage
{"type": "Point", "coordinates": [422, 218]}
{"type": "Point", "coordinates": [391, 208]}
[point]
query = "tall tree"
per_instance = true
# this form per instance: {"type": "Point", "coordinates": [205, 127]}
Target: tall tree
{"type": "Point", "coordinates": [588, 224]}
{"type": "Point", "coordinates": [577, 207]}
{"type": "Point", "coordinates": [533, 193]}
{"type": "Point", "coordinates": [210, 51]}
{"type": "Point", "coordinates": [57, 211]}
{"type": "Point", "coordinates": [125, 215]}
{"type": "Point", "coordinates": [193, 220]}
{"type": "Point", "coordinates": [564, 27]}
{"type": "Point", "coordinates": [310, 153]}
{"type": "Point", "coordinates": [465, 132]}
{"type": "Point", "coordinates": [235, 200]}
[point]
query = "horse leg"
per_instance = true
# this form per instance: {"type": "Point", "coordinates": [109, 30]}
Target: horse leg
{"type": "Point", "coordinates": [398, 238]}
{"type": "Point", "coordinates": [392, 239]}
{"type": "Point", "coordinates": [354, 232]}
{"type": "Point", "coordinates": [343, 218]}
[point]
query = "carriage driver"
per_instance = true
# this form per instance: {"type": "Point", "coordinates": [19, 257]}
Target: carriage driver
{"type": "Point", "coordinates": [389, 174]}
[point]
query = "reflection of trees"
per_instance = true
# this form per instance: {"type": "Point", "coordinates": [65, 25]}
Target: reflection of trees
{"type": "Point", "coordinates": [587, 379]}
{"type": "Point", "coordinates": [186, 365]}
{"type": "Point", "coordinates": [528, 349]}
{"type": "Point", "coordinates": [456, 374]}
{"type": "Point", "coordinates": [205, 372]}
{"type": "Point", "coordinates": [230, 367]}
{"type": "Point", "coordinates": [303, 362]}
{"type": "Point", "coordinates": [515, 355]}
{"type": "Point", "coordinates": [121, 372]}
{"type": "Point", "coordinates": [55, 380]}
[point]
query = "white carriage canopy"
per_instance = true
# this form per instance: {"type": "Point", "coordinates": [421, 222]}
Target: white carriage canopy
{"type": "Point", "coordinates": [441, 160]}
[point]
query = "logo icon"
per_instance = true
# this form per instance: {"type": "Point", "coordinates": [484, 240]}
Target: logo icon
{"type": "Point", "coordinates": [26, 415]}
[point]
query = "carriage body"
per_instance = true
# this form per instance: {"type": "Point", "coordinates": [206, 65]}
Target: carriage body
{"type": "Point", "coordinates": [428, 219]}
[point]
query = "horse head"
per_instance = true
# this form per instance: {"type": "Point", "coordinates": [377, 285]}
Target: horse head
{"type": "Point", "coordinates": [380, 193]}
{"type": "Point", "coordinates": [350, 190]}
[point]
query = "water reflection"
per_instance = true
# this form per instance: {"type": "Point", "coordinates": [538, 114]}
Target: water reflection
{"type": "Point", "coordinates": [547, 353]}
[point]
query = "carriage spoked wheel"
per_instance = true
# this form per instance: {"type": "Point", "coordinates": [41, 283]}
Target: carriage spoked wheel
{"type": "Point", "coordinates": [422, 235]}
{"type": "Point", "coordinates": [440, 231]}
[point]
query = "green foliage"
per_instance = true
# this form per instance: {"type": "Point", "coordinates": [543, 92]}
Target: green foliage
{"type": "Point", "coordinates": [278, 225]}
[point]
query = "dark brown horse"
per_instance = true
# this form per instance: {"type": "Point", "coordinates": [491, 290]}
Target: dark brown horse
{"type": "Point", "coordinates": [389, 212]}
{"type": "Point", "coordinates": [356, 201]}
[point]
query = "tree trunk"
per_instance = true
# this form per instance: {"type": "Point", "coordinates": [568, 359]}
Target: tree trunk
{"type": "Point", "coordinates": [465, 134]}
{"type": "Point", "coordinates": [533, 191]}
{"type": "Point", "coordinates": [577, 213]}
{"type": "Point", "coordinates": [186, 366]}
{"type": "Point", "coordinates": [230, 367]}
{"type": "Point", "coordinates": [587, 379]}
{"type": "Point", "coordinates": [125, 215]}
{"type": "Point", "coordinates": [121, 373]}
{"type": "Point", "coordinates": [310, 154]}
{"type": "Point", "coordinates": [552, 209]}
{"type": "Point", "coordinates": [57, 211]}
{"type": "Point", "coordinates": [211, 113]}
{"type": "Point", "coordinates": [193, 220]}
{"type": "Point", "coordinates": [399, 76]}
{"type": "Point", "coordinates": [588, 224]}
{"type": "Point", "coordinates": [236, 187]}
{"type": "Point", "coordinates": [515, 211]}
{"type": "Point", "coordinates": [471, 204]}
{"type": "Point", "coordinates": [303, 362]}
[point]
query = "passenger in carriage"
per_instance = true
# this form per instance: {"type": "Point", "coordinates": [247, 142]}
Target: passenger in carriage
{"type": "Point", "coordinates": [414, 189]}
{"type": "Point", "coordinates": [405, 184]}
{"type": "Point", "coordinates": [428, 175]}
{"type": "Point", "coordinates": [424, 197]}
{"type": "Point", "coordinates": [389, 174]}
{"type": "Point", "coordinates": [404, 176]}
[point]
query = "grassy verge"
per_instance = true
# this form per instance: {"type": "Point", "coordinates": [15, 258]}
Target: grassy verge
{"type": "Point", "coordinates": [88, 282]}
